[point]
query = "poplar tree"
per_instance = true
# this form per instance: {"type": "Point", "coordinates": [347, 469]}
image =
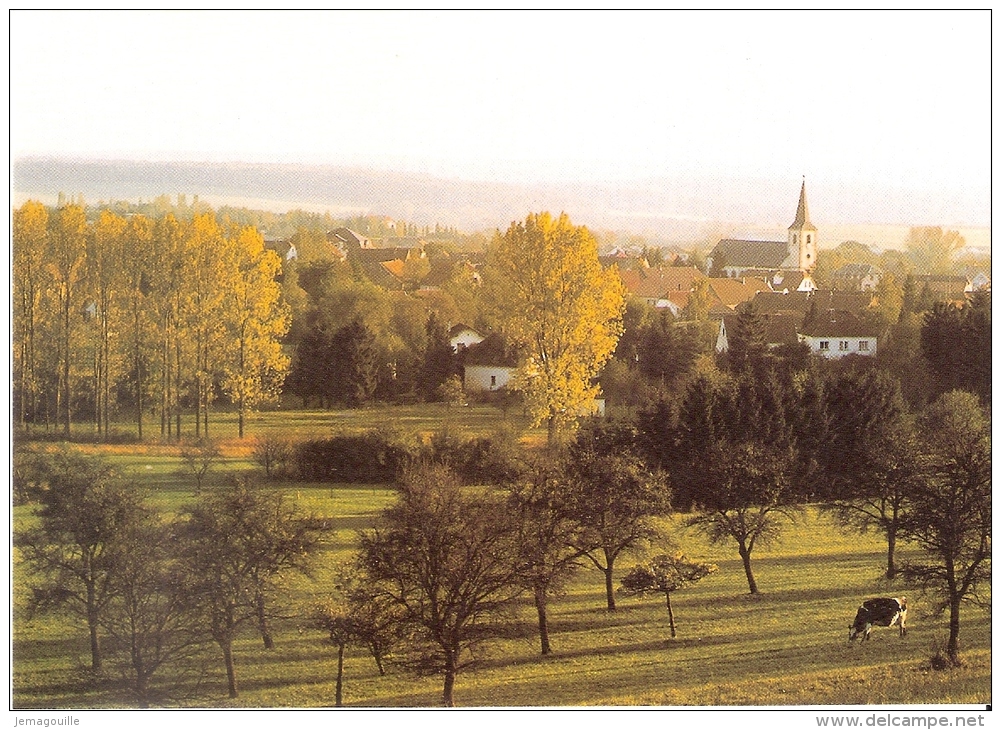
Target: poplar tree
{"type": "Point", "coordinates": [549, 294]}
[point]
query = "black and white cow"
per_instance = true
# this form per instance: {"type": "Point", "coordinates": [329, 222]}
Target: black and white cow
{"type": "Point", "coordinates": [879, 612]}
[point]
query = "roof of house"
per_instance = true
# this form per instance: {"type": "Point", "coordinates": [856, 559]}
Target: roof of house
{"type": "Point", "coordinates": [459, 328]}
{"type": "Point", "coordinates": [801, 302]}
{"type": "Point", "coordinates": [379, 255]}
{"type": "Point", "coordinates": [780, 329]}
{"type": "Point", "coordinates": [750, 254]}
{"type": "Point", "coordinates": [656, 283]}
{"type": "Point", "coordinates": [347, 237]}
{"type": "Point", "coordinates": [492, 351]}
{"type": "Point", "coordinates": [731, 292]}
{"type": "Point", "coordinates": [838, 324]}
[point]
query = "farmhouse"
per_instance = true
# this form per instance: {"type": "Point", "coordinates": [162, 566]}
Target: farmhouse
{"type": "Point", "coordinates": [462, 336]}
{"type": "Point", "coordinates": [798, 253]}
{"type": "Point", "coordinates": [488, 365]}
{"type": "Point", "coordinates": [835, 336]}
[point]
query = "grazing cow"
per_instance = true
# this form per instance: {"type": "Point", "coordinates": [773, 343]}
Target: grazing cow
{"type": "Point", "coordinates": [879, 612]}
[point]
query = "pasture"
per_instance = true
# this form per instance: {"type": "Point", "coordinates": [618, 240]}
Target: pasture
{"type": "Point", "coordinates": [786, 646]}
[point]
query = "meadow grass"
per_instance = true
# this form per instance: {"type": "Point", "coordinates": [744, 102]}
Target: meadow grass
{"type": "Point", "coordinates": [786, 646]}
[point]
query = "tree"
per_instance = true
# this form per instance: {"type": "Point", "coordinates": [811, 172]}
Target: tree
{"type": "Point", "coordinates": [748, 348]}
{"type": "Point", "coordinates": [29, 241]}
{"type": "Point", "coordinates": [335, 618]}
{"type": "Point", "coordinates": [881, 498]}
{"type": "Point", "coordinates": [957, 345]}
{"type": "Point", "coordinates": [547, 534]}
{"type": "Point", "coordinates": [86, 516]}
{"type": "Point", "coordinates": [356, 358]}
{"type": "Point", "coordinates": [106, 283]}
{"type": "Point", "coordinates": [448, 561]}
{"type": "Point", "coordinates": [238, 543]}
{"type": "Point", "coordinates": [735, 453]}
{"type": "Point", "coordinates": [548, 292]}
{"type": "Point", "coordinates": [931, 249]}
{"type": "Point", "coordinates": [198, 458]}
{"type": "Point", "coordinates": [950, 512]}
{"type": "Point", "coordinates": [614, 498]}
{"type": "Point", "coordinates": [67, 259]}
{"type": "Point", "coordinates": [665, 574]}
{"type": "Point", "coordinates": [149, 615]}
{"type": "Point", "coordinates": [257, 319]}
{"type": "Point", "coordinates": [439, 358]}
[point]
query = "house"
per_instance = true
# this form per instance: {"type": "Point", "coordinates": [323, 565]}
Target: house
{"type": "Point", "coordinates": [737, 257]}
{"type": "Point", "coordinates": [488, 365]}
{"type": "Point", "coordinates": [659, 287]}
{"type": "Point", "coordinates": [345, 239]}
{"type": "Point", "coordinates": [839, 335]}
{"type": "Point", "coordinates": [461, 336]}
{"type": "Point", "coordinates": [780, 329]}
{"type": "Point", "coordinates": [802, 303]}
{"type": "Point", "coordinates": [284, 247]}
{"type": "Point", "coordinates": [725, 295]}
{"type": "Point", "coordinates": [856, 277]}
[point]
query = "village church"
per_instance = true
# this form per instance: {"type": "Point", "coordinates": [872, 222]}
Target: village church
{"type": "Point", "coordinates": [790, 262]}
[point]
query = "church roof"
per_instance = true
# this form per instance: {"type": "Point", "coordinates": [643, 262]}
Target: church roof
{"type": "Point", "coordinates": [751, 254]}
{"type": "Point", "coordinates": [802, 212]}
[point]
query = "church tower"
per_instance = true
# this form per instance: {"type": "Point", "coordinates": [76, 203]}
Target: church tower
{"type": "Point", "coordinates": [803, 236]}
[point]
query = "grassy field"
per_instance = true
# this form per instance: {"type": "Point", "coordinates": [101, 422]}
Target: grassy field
{"type": "Point", "coordinates": [786, 646]}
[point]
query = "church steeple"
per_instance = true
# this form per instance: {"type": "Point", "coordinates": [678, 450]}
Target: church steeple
{"type": "Point", "coordinates": [803, 236]}
{"type": "Point", "coordinates": [802, 212]}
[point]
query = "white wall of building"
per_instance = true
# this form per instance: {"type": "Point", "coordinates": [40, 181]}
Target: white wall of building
{"type": "Point", "coordinates": [486, 377]}
{"type": "Point", "coordinates": [837, 347]}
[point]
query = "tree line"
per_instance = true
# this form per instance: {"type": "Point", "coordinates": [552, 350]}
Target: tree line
{"type": "Point", "coordinates": [147, 315]}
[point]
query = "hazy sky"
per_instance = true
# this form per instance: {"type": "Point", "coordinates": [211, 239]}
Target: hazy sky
{"type": "Point", "coordinates": [897, 98]}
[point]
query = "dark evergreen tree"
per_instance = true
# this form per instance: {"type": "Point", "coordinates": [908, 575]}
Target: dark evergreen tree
{"type": "Point", "coordinates": [439, 359]}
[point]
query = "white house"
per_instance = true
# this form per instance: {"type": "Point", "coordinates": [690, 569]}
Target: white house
{"type": "Point", "coordinates": [462, 336]}
{"type": "Point", "coordinates": [839, 335]}
{"type": "Point", "coordinates": [487, 365]}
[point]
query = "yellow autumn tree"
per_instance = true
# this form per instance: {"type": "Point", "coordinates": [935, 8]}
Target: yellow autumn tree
{"type": "Point", "coordinates": [256, 319]}
{"type": "Point", "coordinates": [30, 236]}
{"type": "Point", "coordinates": [547, 292]}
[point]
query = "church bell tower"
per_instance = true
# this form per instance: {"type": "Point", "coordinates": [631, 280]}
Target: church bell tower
{"type": "Point", "coordinates": [803, 236]}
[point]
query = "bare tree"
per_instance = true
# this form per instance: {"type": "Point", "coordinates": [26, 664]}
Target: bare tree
{"type": "Point", "coordinates": [448, 561]}
{"type": "Point", "coordinates": [950, 513]}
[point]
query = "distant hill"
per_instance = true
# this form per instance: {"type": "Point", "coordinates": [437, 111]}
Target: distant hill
{"type": "Point", "coordinates": [682, 209]}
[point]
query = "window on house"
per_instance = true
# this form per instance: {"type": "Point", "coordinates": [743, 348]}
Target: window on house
{"type": "Point", "coordinates": [863, 345]}
{"type": "Point", "coordinates": [825, 345]}
{"type": "Point", "coordinates": [808, 238]}
{"type": "Point", "coordinates": [843, 345]}
{"type": "Point", "coordinates": [493, 381]}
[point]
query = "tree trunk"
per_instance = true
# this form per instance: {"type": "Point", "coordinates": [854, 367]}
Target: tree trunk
{"type": "Point", "coordinates": [891, 546]}
{"type": "Point", "coordinates": [377, 655]}
{"type": "Point", "coordinates": [262, 621]}
{"type": "Point", "coordinates": [670, 614]}
{"type": "Point", "coordinates": [447, 695]}
{"type": "Point", "coordinates": [540, 607]}
{"type": "Point", "coordinates": [609, 585]}
{"type": "Point", "coordinates": [92, 621]}
{"type": "Point", "coordinates": [95, 642]}
{"type": "Point", "coordinates": [338, 692]}
{"type": "Point", "coordinates": [952, 650]}
{"type": "Point", "coordinates": [227, 654]}
{"type": "Point", "coordinates": [745, 556]}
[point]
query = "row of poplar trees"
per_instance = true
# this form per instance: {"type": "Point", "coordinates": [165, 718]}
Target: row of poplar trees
{"type": "Point", "coordinates": [129, 313]}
